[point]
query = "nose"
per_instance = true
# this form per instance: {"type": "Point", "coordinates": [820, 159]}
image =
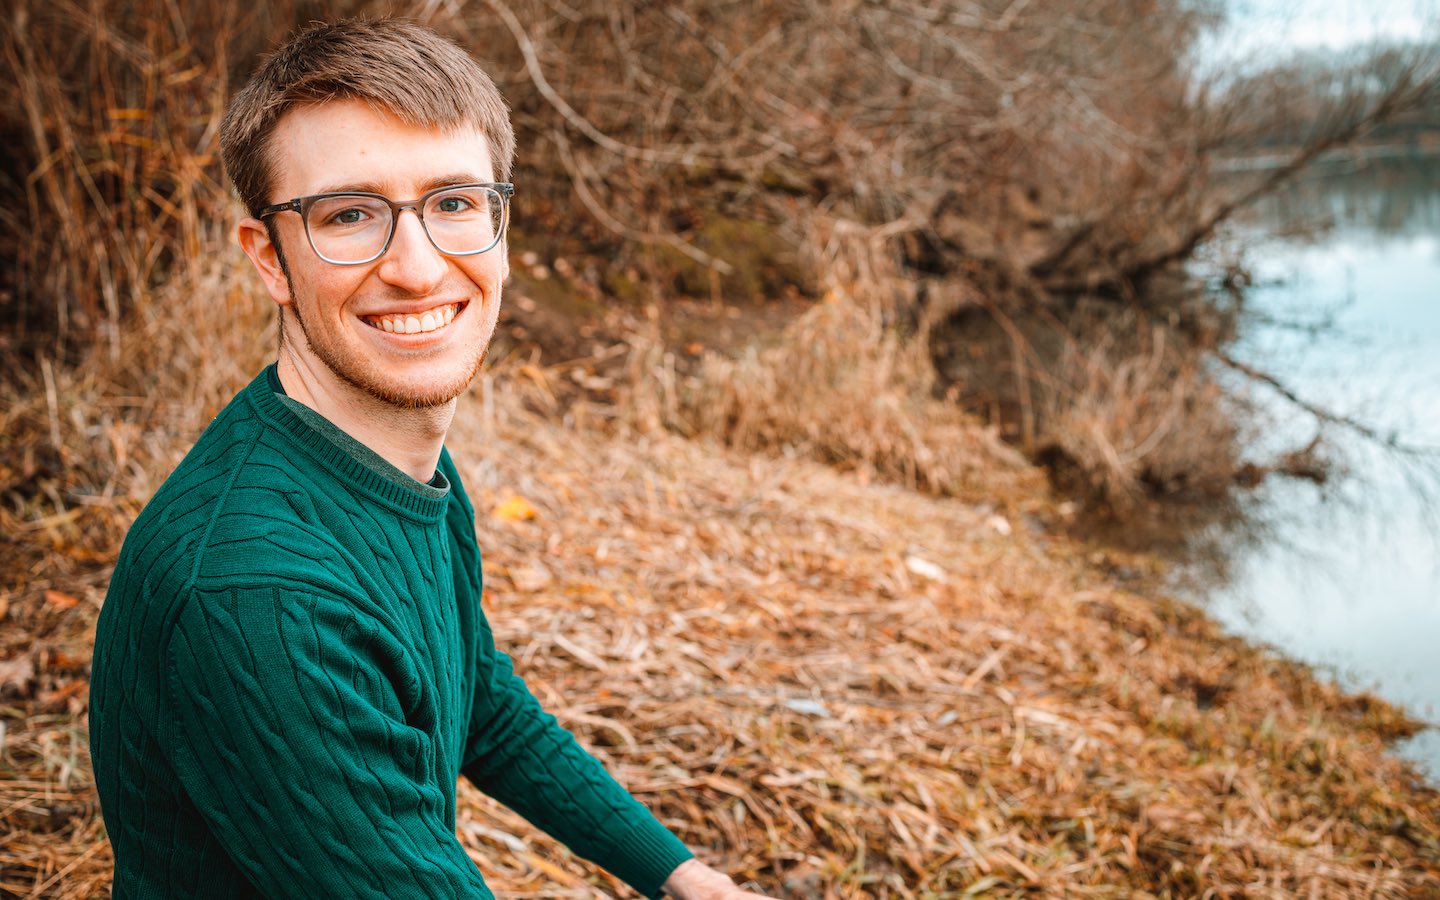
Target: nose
{"type": "Point", "coordinates": [412, 263]}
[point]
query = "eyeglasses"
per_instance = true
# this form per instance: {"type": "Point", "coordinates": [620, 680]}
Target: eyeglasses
{"type": "Point", "coordinates": [352, 228]}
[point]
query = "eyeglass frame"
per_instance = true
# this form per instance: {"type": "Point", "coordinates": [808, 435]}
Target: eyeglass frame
{"type": "Point", "coordinates": [302, 205]}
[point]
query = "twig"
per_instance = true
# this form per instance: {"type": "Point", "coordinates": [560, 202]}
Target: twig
{"type": "Point", "coordinates": [686, 155]}
{"type": "Point", "coordinates": [69, 867]}
{"type": "Point", "coordinates": [1390, 441]}
{"type": "Point", "coordinates": [602, 215]}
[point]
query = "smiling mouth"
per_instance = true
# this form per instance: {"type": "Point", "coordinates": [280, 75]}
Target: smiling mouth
{"type": "Point", "coordinates": [417, 322]}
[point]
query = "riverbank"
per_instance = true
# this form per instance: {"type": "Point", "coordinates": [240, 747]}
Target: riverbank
{"type": "Point", "coordinates": [834, 686]}
{"type": "Point", "coordinates": [1424, 150]}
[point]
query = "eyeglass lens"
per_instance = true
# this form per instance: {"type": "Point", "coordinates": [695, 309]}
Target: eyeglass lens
{"type": "Point", "coordinates": [356, 228]}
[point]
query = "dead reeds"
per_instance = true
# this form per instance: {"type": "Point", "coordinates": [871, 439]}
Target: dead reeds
{"type": "Point", "coordinates": [112, 183]}
{"type": "Point", "coordinates": [839, 387]}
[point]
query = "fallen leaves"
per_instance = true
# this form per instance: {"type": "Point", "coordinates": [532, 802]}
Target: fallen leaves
{"type": "Point", "coordinates": [16, 674]}
{"type": "Point", "coordinates": [836, 689]}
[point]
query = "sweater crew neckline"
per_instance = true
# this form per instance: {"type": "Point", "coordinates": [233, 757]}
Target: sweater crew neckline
{"type": "Point", "coordinates": [417, 500]}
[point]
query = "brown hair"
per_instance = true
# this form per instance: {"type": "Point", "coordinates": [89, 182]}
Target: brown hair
{"type": "Point", "coordinates": [403, 68]}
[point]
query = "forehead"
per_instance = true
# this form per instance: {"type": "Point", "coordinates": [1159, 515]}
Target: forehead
{"type": "Point", "coordinates": [350, 145]}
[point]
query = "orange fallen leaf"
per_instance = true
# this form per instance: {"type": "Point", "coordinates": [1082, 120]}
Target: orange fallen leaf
{"type": "Point", "coordinates": [59, 660]}
{"type": "Point", "coordinates": [61, 601]}
{"type": "Point", "coordinates": [513, 509]}
{"type": "Point", "coordinates": [75, 687]}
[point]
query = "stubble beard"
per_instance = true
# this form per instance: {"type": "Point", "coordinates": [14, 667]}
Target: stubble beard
{"type": "Point", "coordinates": [358, 376]}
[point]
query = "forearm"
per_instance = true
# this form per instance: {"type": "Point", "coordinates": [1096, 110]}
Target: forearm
{"type": "Point", "coordinates": [546, 776]}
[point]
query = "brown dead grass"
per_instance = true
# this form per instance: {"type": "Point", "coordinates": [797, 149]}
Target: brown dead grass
{"type": "Point", "coordinates": [838, 387]}
{"type": "Point", "coordinates": [1140, 421]}
{"type": "Point", "coordinates": [831, 687]}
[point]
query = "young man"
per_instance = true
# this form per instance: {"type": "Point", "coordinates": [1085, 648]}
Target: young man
{"type": "Point", "coordinates": [292, 667]}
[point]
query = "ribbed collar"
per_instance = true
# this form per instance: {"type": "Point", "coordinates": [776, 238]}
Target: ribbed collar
{"type": "Point", "coordinates": [334, 462]}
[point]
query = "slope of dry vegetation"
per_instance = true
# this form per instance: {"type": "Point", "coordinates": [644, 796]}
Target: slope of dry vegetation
{"type": "Point", "coordinates": [830, 687]}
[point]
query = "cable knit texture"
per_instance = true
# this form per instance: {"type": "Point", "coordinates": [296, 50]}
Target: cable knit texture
{"type": "Point", "coordinates": [292, 668]}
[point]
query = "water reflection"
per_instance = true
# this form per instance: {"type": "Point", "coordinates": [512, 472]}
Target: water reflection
{"type": "Point", "coordinates": [1371, 200]}
{"type": "Point", "coordinates": [1349, 579]}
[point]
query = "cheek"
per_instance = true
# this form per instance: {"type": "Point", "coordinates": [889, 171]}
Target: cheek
{"type": "Point", "coordinates": [488, 279]}
{"type": "Point", "coordinates": [325, 289]}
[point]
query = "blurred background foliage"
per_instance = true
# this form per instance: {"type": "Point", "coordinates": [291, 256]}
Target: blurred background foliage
{"type": "Point", "coordinates": [1003, 199]}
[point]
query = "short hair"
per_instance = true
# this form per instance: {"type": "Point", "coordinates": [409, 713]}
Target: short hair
{"type": "Point", "coordinates": [401, 67]}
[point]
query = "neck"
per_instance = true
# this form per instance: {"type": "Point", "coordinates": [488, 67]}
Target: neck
{"type": "Point", "coordinates": [408, 439]}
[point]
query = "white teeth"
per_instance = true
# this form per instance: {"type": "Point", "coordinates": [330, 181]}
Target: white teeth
{"type": "Point", "coordinates": [430, 320]}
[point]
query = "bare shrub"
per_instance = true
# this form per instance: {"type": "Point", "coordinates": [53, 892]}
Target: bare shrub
{"type": "Point", "coordinates": [842, 388]}
{"type": "Point", "coordinates": [1032, 160]}
{"type": "Point", "coordinates": [1139, 421]}
{"type": "Point", "coordinates": [112, 176]}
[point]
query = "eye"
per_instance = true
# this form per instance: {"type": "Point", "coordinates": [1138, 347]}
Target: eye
{"type": "Point", "coordinates": [452, 204]}
{"type": "Point", "coordinates": [350, 215]}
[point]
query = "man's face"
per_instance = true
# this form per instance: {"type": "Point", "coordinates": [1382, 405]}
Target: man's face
{"type": "Point", "coordinates": [346, 145]}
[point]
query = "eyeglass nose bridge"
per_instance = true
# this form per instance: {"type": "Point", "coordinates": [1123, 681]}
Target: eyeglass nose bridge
{"type": "Point", "coordinates": [396, 208]}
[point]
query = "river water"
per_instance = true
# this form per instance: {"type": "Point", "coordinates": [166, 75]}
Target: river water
{"type": "Point", "coordinates": [1348, 577]}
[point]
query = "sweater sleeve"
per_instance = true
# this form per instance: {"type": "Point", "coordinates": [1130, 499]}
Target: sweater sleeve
{"type": "Point", "coordinates": [290, 737]}
{"type": "Point", "coordinates": [518, 754]}
{"type": "Point", "coordinates": [521, 756]}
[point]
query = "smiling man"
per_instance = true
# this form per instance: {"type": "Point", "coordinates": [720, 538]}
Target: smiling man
{"type": "Point", "coordinates": [292, 667]}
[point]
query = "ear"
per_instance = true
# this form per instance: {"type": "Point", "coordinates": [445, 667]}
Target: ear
{"type": "Point", "coordinates": [255, 240]}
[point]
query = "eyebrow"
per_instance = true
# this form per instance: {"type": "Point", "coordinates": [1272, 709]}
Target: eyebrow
{"type": "Point", "coordinates": [373, 187]}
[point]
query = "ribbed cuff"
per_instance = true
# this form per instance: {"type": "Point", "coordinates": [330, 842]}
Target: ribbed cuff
{"type": "Point", "coordinates": [646, 856]}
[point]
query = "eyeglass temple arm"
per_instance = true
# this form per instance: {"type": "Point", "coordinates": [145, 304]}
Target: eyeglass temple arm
{"type": "Point", "coordinates": [279, 208]}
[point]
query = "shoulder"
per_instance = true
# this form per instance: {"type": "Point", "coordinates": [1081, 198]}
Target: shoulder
{"type": "Point", "coordinates": [240, 508]}
{"type": "Point", "coordinates": [177, 520]}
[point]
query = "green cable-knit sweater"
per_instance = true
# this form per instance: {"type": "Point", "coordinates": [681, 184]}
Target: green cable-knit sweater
{"type": "Point", "coordinates": [292, 668]}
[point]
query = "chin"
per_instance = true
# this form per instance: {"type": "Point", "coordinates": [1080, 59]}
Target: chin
{"type": "Point", "coordinates": [425, 393]}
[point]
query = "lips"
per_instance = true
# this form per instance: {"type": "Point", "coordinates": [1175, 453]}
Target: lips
{"type": "Point", "coordinates": [432, 319]}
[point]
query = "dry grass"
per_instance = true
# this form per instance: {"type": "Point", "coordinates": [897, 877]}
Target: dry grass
{"type": "Point", "coordinates": [838, 387]}
{"type": "Point", "coordinates": [1145, 420]}
{"type": "Point", "coordinates": [112, 183]}
{"type": "Point", "coordinates": [834, 688]}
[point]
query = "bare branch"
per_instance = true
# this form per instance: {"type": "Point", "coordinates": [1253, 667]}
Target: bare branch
{"type": "Point", "coordinates": [602, 215]}
{"type": "Point", "coordinates": [1390, 441]}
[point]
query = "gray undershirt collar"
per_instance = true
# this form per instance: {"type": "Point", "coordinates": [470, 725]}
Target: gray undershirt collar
{"type": "Point", "coordinates": [438, 487]}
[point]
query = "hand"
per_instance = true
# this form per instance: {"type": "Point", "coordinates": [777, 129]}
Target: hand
{"type": "Point", "coordinates": [693, 880]}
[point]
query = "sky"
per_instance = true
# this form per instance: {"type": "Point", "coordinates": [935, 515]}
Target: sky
{"type": "Point", "coordinates": [1265, 27]}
